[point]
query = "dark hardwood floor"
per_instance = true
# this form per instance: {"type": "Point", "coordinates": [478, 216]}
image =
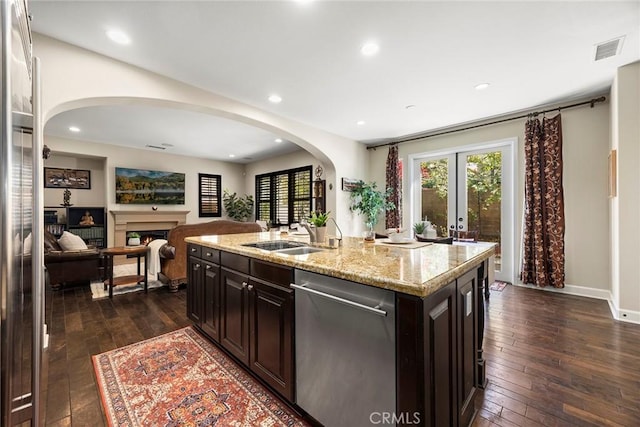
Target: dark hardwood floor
{"type": "Point", "coordinates": [558, 360]}
{"type": "Point", "coordinates": [552, 359]}
{"type": "Point", "coordinates": [80, 328]}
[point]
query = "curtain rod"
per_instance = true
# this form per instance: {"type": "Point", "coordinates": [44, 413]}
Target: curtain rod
{"type": "Point", "coordinates": [591, 103]}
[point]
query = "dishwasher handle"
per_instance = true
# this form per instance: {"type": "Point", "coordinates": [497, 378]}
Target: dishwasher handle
{"type": "Point", "coordinates": [374, 310]}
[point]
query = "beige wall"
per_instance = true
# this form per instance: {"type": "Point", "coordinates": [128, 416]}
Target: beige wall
{"type": "Point", "coordinates": [586, 136]}
{"type": "Point", "coordinates": [115, 156]}
{"type": "Point", "coordinates": [53, 197]}
{"type": "Point", "coordinates": [625, 208]}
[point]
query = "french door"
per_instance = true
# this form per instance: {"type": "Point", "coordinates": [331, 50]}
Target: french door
{"type": "Point", "coordinates": [469, 194]}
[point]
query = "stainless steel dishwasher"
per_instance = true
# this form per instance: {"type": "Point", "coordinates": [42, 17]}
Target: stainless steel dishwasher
{"type": "Point", "coordinates": [345, 350]}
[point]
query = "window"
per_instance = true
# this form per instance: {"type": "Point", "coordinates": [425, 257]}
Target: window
{"type": "Point", "coordinates": [209, 195]}
{"type": "Point", "coordinates": [284, 197]}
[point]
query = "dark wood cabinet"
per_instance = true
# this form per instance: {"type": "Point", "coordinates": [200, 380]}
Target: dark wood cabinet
{"type": "Point", "coordinates": [271, 319]}
{"type": "Point", "coordinates": [440, 349]}
{"type": "Point", "coordinates": [234, 313]}
{"type": "Point", "coordinates": [466, 287]}
{"type": "Point", "coordinates": [195, 294]}
{"type": "Point", "coordinates": [246, 306]}
{"type": "Point", "coordinates": [203, 290]}
{"type": "Point", "coordinates": [211, 292]}
{"type": "Point", "coordinates": [437, 342]}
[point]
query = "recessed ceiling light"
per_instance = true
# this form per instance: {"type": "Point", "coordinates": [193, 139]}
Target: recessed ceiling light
{"type": "Point", "coordinates": [410, 106]}
{"type": "Point", "coordinates": [361, 122]}
{"type": "Point", "coordinates": [276, 99]}
{"type": "Point", "coordinates": [482, 86]}
{"type": "Point", "coordinates": [232, 155]}
{"type": "Point", "coordinates": [278, 140]}
{"type": "Point", "coordinates": [118, 36]}
{"type": "Point", "coordinates": [369, 48]}
{"type": "Point", "coordinates": [75, 129]}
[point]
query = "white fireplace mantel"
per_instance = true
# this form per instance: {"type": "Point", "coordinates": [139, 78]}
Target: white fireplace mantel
{"type": "Point", "coordinates": [125, 221]}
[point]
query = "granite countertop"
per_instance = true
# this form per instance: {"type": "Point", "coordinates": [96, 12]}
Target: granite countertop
{"type": "Point", "coordinates": [418, 271]}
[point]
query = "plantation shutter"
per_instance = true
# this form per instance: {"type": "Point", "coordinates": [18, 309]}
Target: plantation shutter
{"type": "Point", "coordinates": [301, 194]}
{"type": "Point", "coordinates": [263, 197]}
{"type": "Point", "coordinates": [209, 195]}
{"type": "Point", "coordinates": [284, 196]}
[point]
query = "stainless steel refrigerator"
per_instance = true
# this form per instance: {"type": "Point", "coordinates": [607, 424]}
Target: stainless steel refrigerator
{"type": "Point", "coordinates": [21, 224]}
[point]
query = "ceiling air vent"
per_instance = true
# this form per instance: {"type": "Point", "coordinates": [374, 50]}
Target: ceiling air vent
{"type": "Point", "coordinates": [608, 49]}
{"type": "Point", "coordinates": [156, 147]}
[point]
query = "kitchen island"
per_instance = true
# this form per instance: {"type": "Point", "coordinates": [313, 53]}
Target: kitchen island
{"type": "Point", "coordinates": [243, 298]}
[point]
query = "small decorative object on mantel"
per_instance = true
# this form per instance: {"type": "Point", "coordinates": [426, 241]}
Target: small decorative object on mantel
{"type": "Point", "coordinates": [154, 208]}
{"type": "Point", "coordinates": [134, 239]}
{"type": "Point", "coordinates": [66, 198]}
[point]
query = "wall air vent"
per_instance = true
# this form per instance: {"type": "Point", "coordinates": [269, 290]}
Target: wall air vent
{"type": "Point", "coordinates": [608, 49]}
{"type": "Point", "coordinates": [156, 147]}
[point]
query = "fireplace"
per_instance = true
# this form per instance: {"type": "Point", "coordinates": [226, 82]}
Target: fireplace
{"type": "Point", "coordinates": [147, 236]}
{"type": "Point", "coordinates": [143, 222]}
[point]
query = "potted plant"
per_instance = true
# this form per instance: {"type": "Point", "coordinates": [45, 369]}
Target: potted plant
{"type": "Point", "coordinates": [134, 239]}
{"type": "Point", "coordinates": [239, 208]}
{"type": "Point", "coordinates": [319, 220]}
{"type": "Point", "coordinates": [367, 200]}
{"type": "Point", "coordinates": [419, 228]}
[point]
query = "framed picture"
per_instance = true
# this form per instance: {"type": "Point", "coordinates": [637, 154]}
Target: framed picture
{"type": "Point", "coordinates": [613, 173]}
{"type": "Point", "coordinates": [146, 187]}
{"type": "Point", "coordinates": [67, 178]}
{"type": "Point", "coordinates": [349, 184]}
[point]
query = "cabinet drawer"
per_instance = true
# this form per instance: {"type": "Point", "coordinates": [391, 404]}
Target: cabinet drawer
{"type": "Point", "coordinates": [211, 255]}
{"type": "Point", "coordinates": [193, 250]}
{"type": "Point", "coordinates": [235, 262]}
{"type": "Point", "coordinates": [273, 273]}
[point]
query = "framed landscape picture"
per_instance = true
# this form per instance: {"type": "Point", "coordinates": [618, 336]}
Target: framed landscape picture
{"type": "Point", "coordinates": [67, 178]}
{"type": "Point", "coordinates": [146, 187]}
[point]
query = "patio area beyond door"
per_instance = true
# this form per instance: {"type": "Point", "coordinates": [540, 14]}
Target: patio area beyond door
{"type": "Point", "coordinates": [470, 193]}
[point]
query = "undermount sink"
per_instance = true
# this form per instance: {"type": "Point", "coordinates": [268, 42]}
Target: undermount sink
{"type": "Point", "coordinates": [275, 245]}
{"type": "Point", "coordinates": [305, 250]}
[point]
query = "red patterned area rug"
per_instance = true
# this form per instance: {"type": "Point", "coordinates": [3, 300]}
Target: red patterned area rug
{"type": "Point", "coordinates": [498, 285]}
{"type": "Point", "coordinates": [181, 379]}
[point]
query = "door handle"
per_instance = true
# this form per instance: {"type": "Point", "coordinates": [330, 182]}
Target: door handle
{"type": "Point", "coordinates": [374, 310]}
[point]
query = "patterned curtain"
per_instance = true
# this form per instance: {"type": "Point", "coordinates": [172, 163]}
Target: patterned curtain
{"type": "Point", "coordinates": [394, 180]}
{"type": "Point", "coordinates": [543, 263]}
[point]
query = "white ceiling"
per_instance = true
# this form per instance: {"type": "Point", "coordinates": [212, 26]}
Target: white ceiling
{"type": "Point", "coordinates": [432, 55]}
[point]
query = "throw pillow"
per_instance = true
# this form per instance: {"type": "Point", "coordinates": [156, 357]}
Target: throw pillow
{"type": "Point", "coordinates": [71, 242]}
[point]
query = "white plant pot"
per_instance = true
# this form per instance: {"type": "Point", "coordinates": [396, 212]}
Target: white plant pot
{"type": "Point", "coordinates": [133, 241]}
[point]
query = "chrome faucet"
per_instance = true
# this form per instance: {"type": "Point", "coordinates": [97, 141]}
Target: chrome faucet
{"type": "Point", "coordinates": [312, 233]}
{"type": "Point", "coordinates": [340, 231]}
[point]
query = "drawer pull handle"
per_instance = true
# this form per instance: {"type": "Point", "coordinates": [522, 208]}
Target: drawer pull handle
{"type": "Point", "coordinates": [208, 254]}
{"type": "Point", "coordinates": [208, 267]}
{"type": "Point", "coordinates": [197, 266]}
{"type": "Point", "coordinates": [244, 284]}
{"type": "Point", "coordinates": [250, 287]}
{"type": "Point", "coordinates": [193, 249]}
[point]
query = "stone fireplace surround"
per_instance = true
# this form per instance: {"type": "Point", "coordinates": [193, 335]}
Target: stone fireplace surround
{"type": "Point", "coordinates": [125, 221]}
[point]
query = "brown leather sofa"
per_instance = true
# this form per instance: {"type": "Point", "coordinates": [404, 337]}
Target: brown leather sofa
{"type": "Point", "coordinates": [173, 255]}
{"type": "Point", "coordinates": [67, 267]}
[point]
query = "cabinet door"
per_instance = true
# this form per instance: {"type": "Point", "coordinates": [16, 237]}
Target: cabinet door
{"type": "Point", "coordinates": [271, 322]}
{"type": "Point", "coordinates": [234, 313]}
{"type": "Point", "coordinates": [466, 348]}
{"type": "Point", "coordinates": [440, 352]}
{"type": "Point", "coordinates": [211, 290]}
{"type": "Point", "coordinates": [195, 295]}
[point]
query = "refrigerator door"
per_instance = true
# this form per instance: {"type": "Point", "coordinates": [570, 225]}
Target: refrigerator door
{"type": "Point", "coordinates": [20, 289]}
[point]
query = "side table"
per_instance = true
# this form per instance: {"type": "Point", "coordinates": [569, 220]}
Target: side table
{"type": "Point", "coordinates": [137, 251]}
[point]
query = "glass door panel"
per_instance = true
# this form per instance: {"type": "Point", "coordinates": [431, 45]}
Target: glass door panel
{"type": "Point", "coordinates": [436, 204]}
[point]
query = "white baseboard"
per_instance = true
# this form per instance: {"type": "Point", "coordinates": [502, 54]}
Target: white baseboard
{"type": "Point", "coordinates": [630, 316]}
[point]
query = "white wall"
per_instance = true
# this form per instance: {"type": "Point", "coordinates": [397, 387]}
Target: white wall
{"type": "Point", "coordinates": [625, 209]}
{"type": "Point", "coordinates": [115, 156]}
{"type": "Point", "coordinates": [73, 77]}
{"type": "Point", "coordinates": [585, 148]}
